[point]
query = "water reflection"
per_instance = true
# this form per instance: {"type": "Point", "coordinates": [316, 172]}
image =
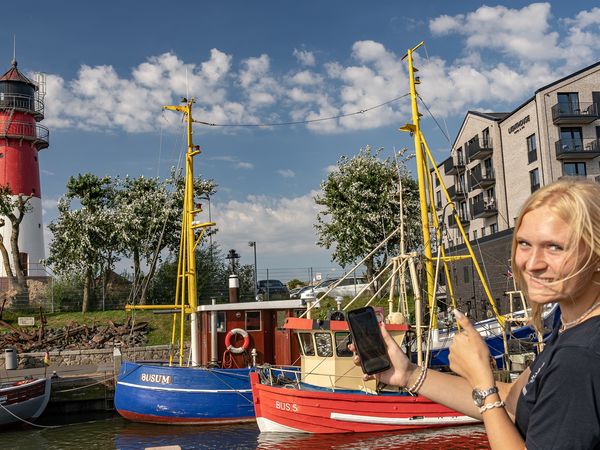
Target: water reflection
{"type": "Point", "coordinates": [116, 433]}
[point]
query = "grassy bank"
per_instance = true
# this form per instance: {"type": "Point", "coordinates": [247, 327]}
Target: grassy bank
{"type": "Point", "coordinates": [160, 324]}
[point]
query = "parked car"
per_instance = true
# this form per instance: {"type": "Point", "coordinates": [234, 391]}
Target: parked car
{"type": "Point", "coordinates": [272, 288]}
{"type": "Point", "coordinates": [298, 293]}
{"type": "Point", "coordinates": [348, 287]}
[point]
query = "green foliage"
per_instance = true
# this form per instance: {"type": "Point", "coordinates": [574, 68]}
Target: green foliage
{"type": "Point", "coordinates": [294, 283]}
{"type": "Point", "coordinates": [361, 206]}
{"type": "Point", "coordinates": [65, 293]}
{"type": "Point", "coordinates": [213, 278]}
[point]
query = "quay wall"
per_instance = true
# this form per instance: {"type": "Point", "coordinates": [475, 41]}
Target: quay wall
{"type": "Point", "coordinates": [90, 357]}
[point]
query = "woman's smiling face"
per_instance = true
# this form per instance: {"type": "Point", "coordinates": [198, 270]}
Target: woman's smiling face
{"type": "Point", "coordinates": [546, 259]}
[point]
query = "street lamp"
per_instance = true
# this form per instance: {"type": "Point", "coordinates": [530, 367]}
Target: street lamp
{"type": "Point", "coordinates": [253, 245]}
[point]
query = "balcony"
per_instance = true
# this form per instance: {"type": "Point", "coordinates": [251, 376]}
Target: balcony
{"type": "Point", "coordinates": [479, 149]}
{"type": "Point", "coordinates": [20, 102]}
{"type": "Point", "coordinates": [456, 192]}
{"type": "Point", "coordinates": [574, 113]}
{"type": "Point", "coordinates": [577, 148]}
{"type": "Point", "coordinates": [28, 131]}
{"type": "Point", "coordinates": [452, 221]}
{"type": "Point", "coordinates": [453, 168]}
{"type": "Point", "coordinates": [481, 180]}
{"type": "Point", "coordinates": [483, 208]}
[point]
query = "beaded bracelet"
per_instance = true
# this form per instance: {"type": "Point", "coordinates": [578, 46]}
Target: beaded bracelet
{"type": "Point", "coordinates": [488, 406]}
{"type": "Point", "coordinates": [415, 387]}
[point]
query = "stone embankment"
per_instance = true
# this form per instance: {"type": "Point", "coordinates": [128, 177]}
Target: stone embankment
{"type": "Point", "coordinates": [89, 357]}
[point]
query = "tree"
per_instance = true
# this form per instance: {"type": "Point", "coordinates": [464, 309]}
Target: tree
{"type": "Point", "coordinates": [85, 239]}
{"type": "Point", "coordinates": [360, 207]}
{"type": "Point", "coordinates": [14, 208]}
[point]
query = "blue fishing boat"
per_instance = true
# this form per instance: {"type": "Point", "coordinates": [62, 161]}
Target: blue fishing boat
{"type": "Point", "coordinates": [208, 380]}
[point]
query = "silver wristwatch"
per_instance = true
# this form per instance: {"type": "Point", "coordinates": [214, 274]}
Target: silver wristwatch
{"type": "Point", "coordinates": [479, 396]}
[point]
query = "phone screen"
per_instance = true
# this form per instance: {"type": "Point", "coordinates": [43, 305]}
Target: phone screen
{"type": "Point", "coordinates": [367, 339]}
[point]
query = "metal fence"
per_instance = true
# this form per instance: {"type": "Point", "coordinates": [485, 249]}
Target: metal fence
{"type": "Point", "coordinates": [55, 294]}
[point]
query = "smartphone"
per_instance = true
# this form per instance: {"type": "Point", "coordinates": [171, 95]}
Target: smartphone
{"type": "Point", "coordinates": [367, 338]}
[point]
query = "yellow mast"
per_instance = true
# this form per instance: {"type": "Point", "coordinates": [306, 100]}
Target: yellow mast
{"type": "Point", "coordinates": [186, 289]}
{"type": "Point", "coordinates": [423, 159]}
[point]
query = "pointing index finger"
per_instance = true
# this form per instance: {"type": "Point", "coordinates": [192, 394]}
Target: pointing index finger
{"type": "Point", "coordinates": [463, 321]}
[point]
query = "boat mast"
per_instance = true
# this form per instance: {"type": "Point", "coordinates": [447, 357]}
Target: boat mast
{"type": "Point", "coordinates": [186, 289]}
{"type": "Point", "coordinates": [423, 159]}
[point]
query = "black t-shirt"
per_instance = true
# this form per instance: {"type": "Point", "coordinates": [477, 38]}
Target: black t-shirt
{"type": "Point", "coordinates": [559, 407]}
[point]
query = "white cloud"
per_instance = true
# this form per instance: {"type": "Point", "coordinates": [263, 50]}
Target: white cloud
{"type": "Point", "coordinates": [49, 206]}
{"type": "Point", "coordinates": [286, 173]}
{"type": "Point", "coordinates": [270, 222]}
{"type": "Point", "coordinates": [507, 54]}
{"type": "Point", "coordinates": [305, 57]}
{"type": "Point", "coordinates": [235, 162]}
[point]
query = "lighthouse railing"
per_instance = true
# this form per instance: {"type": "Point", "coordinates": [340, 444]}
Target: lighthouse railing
{"type": "Point", "coordinates": [22, 102]}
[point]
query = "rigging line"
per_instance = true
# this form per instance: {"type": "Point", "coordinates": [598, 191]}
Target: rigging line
{"type": "Point", "coordinates": [428, 60]}
{"type": "Point", "coordinates": [298, 122]}
{"type": "Point", "coordinates": [434, 119]}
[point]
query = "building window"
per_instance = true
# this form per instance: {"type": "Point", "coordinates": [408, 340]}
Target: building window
{"type": "Point", "coordinates": [474, 235]}
{"type": "Point", "coordinates": [438, 198]}
{"type": "Point", "coordinates": [493, 228]}
{"type": "Point", "coordinates": [574, 169]}
{"type": "Point", "coordinates": [568, 103]}
{"type": "Point", "coordinates": [466, 274]}
{"type": "Point", "coordinates": [485, 134]}
{"type": "Point", "coordinates": [460, 160]}
{"type": "Point", "coordinates": [571, 139]}
{"type": "Point", "coordinates": [463, 210]}
{"type": "Point", "coordinates": [534, 179]}
{"type": "Point", "coordinates": [488, 168]}
{"type": "Point", "coordinates": [491, 198]}
{"type": "Point", "coordinates": [531, 149]}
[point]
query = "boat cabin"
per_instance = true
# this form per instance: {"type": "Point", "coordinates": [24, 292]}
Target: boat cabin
{"type": "Point", "coordinates": [325, 359]}
{"type": "Point", "coordinates": [248, 333]}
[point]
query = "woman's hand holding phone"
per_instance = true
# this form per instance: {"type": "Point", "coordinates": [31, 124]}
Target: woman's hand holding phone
{"type": "Point", "coordinates": [401, 369]}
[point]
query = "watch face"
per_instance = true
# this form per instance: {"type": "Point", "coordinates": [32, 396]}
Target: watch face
{"type": "Point", "coordinates": [478, 397]}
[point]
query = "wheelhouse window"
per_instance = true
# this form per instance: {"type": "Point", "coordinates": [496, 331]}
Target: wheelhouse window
{"type": "Point", "coordinates": [306, 344]}
{"type": "Point", "coordinates": [341, 344]}
{"type": "Point", "coordinates": [531, 149]}
{"type": "Point", "coordinates": [324, 347]}
{"type": "Point", "coordinates": [574, 169]}
{"type": "Point", "coordinates": [221, 322]}
{"type": "Point", "coordinates": [252, 320]}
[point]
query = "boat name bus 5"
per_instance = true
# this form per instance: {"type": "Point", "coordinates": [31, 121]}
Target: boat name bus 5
{"type": "Point", "coordinates": [285, 406]}
{"type": "Point", "coordinates": [155, 378]}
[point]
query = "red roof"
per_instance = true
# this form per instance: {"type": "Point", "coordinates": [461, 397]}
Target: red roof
{"type": "Point", "coordinates": [13, 74]}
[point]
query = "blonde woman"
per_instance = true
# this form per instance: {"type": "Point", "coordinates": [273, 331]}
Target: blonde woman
{"type": "Point", "coordinates": [556, 402]}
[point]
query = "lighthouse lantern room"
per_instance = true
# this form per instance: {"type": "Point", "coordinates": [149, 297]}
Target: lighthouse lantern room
{"type": "Point", "coordinates": [21, 138]}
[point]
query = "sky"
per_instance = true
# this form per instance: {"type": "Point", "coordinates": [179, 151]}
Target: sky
{"type": "Point", "coordinates": [110, 67]}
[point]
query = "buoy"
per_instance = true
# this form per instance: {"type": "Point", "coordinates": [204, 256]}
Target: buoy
{"type": "Point", "coordinates": [240, 332]}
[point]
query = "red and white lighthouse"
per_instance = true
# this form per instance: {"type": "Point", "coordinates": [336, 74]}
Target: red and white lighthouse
{"type": "Point", "coordinates": [21, 138]}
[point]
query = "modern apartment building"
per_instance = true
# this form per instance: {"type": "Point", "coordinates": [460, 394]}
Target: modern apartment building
{"type": "Point", "coordinates": [499, 159]}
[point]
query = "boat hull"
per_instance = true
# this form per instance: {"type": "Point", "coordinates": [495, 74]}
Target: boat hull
{"type": "Point", "coordinates": [153, 393]}
{"type": "Point", "coordinates": [280, 409]}
{"type": "Point", "coordinates": [23, 402]}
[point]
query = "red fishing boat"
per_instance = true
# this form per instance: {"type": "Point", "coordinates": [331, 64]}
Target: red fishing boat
{"type": "Point", "coordinates": [328, 394]}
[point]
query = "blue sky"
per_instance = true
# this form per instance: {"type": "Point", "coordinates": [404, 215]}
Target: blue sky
{"type": "Point", "coordinates": [111, 66]}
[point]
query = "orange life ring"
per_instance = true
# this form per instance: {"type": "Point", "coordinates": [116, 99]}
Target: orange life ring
{"type": "Point", "coordinates": [230, 346]}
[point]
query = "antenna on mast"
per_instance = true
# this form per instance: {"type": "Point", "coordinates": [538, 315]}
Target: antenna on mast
{"type": "Point", "coordinates": [14, 60]}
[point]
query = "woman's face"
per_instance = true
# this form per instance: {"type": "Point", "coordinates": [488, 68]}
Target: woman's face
{"type": "Point", "coordinates": [545, 258]}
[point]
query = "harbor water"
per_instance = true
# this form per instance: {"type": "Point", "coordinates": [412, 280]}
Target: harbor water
{"type": "Point", "coordinates": [113, 432]}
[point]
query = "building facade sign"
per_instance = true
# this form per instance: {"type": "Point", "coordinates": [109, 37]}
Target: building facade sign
{"type": "Point", "coordinates": [515, 128]}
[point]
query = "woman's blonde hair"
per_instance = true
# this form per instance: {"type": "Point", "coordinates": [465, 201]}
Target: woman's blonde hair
{"type": "Point", "coordinates": [576, 201]}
